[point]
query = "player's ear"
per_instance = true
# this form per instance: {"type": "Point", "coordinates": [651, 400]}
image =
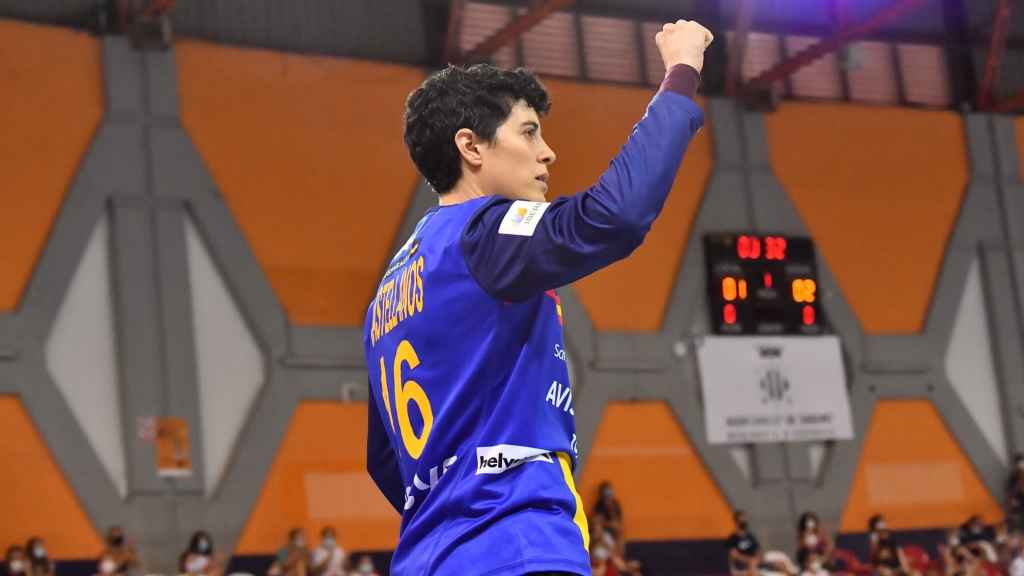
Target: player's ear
{"type": "Point", "coordinates": [468, 145]}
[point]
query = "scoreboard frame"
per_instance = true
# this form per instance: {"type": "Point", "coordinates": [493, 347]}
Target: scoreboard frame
{"type": "Point", "coordinates": [762, 284]}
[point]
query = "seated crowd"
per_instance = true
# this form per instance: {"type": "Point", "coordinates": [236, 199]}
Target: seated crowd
{"type": "Point", "coordinates": [972, 549]}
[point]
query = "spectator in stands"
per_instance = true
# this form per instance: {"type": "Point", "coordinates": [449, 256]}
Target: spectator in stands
{"type": "Point", "coordinates": [15, 563]}
{"type": "Point", "coordinates": [122, 551]}
{"type": "Point", "coordinates": [959, 561]}
{"type": "Point", "coordinates": [329, 557]}
{"type": "Point", "coordinates": [813, 565]}
{"type": "Point", "coordinates": [199, 559]}
{"type": "Point", "coordinates": [1015, 494]}
{"type": "Point", "coordinates": [1015, 555]}
{"type": "Point", "coordinates": [876, 524]}
{"type": "Point", "coordinates": [293, 558]}
{"type": "Point", "coordinates": [39, 561]}
{"type": "Point", "coordinates": [978, 539]}
{"type": "Point", "coordinates": [365, 567]}
{"type": "Point", "coordinates": [107, 565]}
{"type": "Point", "coordinates": [812, 537]}
{"type": "Point", "coordinates": [608, 509]}
{"type": "Point", "coordinates": [886, 557]}
{"type": "Point", "coordinates": [746, 557]}
{"type": "Point", "coordinates": [600, 534]}
{"type": "Point", "coordinates": [601, 561]}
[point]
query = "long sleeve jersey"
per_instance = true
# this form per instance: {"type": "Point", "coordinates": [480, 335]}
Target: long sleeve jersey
{"type": "Point", "coordinates": [471, 426]}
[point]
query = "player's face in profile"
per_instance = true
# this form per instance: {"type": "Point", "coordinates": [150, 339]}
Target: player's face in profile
{"type": "Point", "coordinates": [516, 165]}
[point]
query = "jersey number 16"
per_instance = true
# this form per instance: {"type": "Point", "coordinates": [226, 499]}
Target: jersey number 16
{"type": "Point", "coordinates": [405, 392]}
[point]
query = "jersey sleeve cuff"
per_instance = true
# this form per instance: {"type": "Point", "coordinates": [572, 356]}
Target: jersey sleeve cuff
{"type": "Point", "coordinates": [681, 79]}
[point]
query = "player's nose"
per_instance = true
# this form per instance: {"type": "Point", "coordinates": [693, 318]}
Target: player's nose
{"type": "Point", "coordinates": [547, 155]}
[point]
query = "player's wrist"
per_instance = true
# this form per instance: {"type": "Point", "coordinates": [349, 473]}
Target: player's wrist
{"type": "Point", "coordinates": [682, 79]}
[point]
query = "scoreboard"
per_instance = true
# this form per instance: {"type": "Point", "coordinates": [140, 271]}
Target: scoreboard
{"type": "Point", "coordinates": [762, 284]}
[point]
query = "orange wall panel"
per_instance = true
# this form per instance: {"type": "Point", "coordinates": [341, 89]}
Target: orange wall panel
{"type": "Point", "coordinates": [52, 103]}
{"type": "Point", "coordinates": [33, 492]}
{"type": "Point", "coordinates": [665, 490]}
{"type": "Point", "coordinates": [879, 190]}
{"type": "Point", "coordinates": [587, 125]}
{"type": "Point", "coordinates": [319, 478]}
{"type": "Point", "coordinates": [913, 471]}
{"type": "Point", "coordinates": [308, 153]}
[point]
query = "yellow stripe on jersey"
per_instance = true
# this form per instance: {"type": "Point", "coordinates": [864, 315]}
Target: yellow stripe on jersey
{"type": "Point", "coordinates": [580, 519]}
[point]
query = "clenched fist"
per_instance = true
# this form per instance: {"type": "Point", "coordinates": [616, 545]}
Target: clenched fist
{"type": "Point", "coordinates": [683, 42]}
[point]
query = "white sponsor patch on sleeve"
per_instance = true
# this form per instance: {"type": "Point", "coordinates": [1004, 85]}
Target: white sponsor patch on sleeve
{"type": "Point", "coordinates": [522, 218]}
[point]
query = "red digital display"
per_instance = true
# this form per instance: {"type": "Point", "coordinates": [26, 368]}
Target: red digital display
{"type": "Point", "coordinates": [808, 314]}
{"type": "Point", "coordinates": [729, 314]}
{"type": "Point", "coordinates": [749, 248]}
{"type": "Point", "coordinates": [762, 284]}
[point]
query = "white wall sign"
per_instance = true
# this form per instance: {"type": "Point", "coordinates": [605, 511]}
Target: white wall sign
{"type": "Point", "coordinates": [774, 389]}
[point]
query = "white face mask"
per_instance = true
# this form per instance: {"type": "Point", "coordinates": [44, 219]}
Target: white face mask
{"type": "Point", "coordinates": [881, 526]}
{"type": "Point", "coordinates": [366, 568]}
{"type": "Point", "coordinates": [39, 551]}
{"type": "Point", "coordinates": [810, 540]}
{"type": "Point", "coordinates": [329, 542]}
{"type": "Point", "coordinates": [815, 566]}
{"type": "Point", "coordinates": [203, 546]}
{"type": "Point", "coordinates": [108, 566]}
{"type": "Point", "coordinates": [811, 524]}
{"type": "Point", "coordinates": [954, 541]}
{"type": "Point", "coordinates": [601, 553]}
{"type": "Point", "coordinates": [197, 564]}
{"type": "Point", "coordinates": [16, 566]}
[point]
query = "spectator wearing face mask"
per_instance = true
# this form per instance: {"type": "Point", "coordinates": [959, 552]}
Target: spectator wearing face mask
{"type": "Point", "coordinates": [608, 509]}
{"type": "Point", "coordinates": [121, 551]}
{"type": "Point", "coordinates": [38, 559]}
{"type": "Point", "coordinates": [293, 559]}
{"type": "Point", "coordinates": [746, 557]}
{"type": "Point", "coordinates": [811, 537]}
{"type": "Point", "coordinates": [199, 559]}
{"type": "Point", "coordinates": [329, 556]}
{"type": "Point", "coordinates": [365, 567]}
{"type": "Point", "coordinates": [15, 562]}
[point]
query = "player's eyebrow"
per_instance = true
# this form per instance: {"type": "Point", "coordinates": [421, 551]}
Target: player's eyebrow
{"type": "Point", "coordinates": [531, 124]}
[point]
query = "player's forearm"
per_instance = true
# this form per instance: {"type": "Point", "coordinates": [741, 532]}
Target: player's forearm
{"type": "Point", "coordinates": [632, 192]}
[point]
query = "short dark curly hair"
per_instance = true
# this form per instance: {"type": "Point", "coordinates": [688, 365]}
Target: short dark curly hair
{"type": "Point", "coordinates": [479, 98]}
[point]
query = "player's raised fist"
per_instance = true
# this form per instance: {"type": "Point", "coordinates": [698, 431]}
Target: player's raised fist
{"type": "Point", "coordinates": [683, 42]}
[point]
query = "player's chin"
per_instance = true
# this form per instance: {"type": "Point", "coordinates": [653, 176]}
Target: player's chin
{"type": "Point", "coordinates": [538, 193]}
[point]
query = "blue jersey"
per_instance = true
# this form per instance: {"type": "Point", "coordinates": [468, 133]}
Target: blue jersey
{"type": "Point", "coordinates": [471, 431]}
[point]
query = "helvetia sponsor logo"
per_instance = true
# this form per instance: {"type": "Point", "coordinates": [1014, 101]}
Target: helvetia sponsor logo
{"type": "Point", "coordinates": [504, 457]}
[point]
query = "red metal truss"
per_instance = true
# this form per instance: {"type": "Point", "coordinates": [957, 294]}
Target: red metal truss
{"type": "Point", "coordinates": [996, 49]}
{"type": "Point", "coordinates": [514, 30]}
{"type": "Point", "coordinates": [844, 36]}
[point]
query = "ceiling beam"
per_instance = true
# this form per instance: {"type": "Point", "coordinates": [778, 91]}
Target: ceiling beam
{"type": "Point", "coordinates": [734, 65]}
{"type": "Point", "coordinates": [843, 37]}
{"type": "Point", "coordinates": [514, 30]}
{"type": "Point", "coordinates": [452, 51]}
{"type": "Point", "coordinates": [996, 49]}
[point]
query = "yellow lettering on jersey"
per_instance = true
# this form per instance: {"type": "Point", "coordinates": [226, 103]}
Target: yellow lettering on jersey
{"type": "Point", "coordinates": [398, 299]}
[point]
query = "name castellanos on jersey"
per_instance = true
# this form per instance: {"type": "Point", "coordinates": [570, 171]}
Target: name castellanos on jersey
{"type": "Point", "coordinates": [400, 297]}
